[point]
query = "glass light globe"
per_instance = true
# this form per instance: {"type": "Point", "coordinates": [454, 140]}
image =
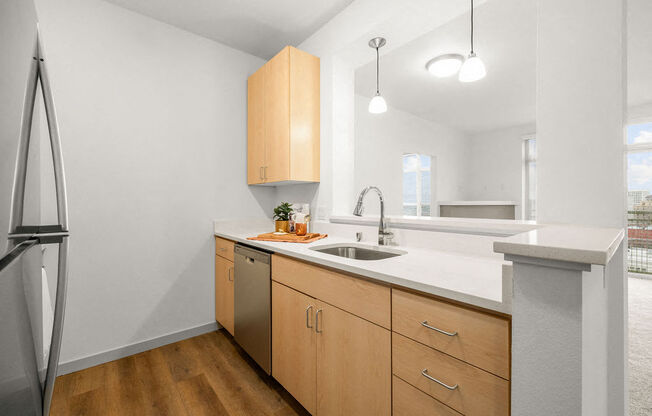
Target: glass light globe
{"type": "Point", "coordinates": [472, 70]}
{"type": "Point", "coordinates": [445, 65]}
{"type": "Point", "coordinates": [377, 105]}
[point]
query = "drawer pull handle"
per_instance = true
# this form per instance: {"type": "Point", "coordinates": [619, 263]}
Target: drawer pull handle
{"type": "Point", "coordinates": [441, 331]}
{"type": "Point", "coordinates": [317, 321]}
{"type": "Point", "coordinates": [424, 373]}
{"type": "Point", "coordinates": [308, 309]}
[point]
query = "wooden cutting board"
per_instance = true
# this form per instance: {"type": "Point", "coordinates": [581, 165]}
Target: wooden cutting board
{"type": "Point", "coordinates": [289, 238]}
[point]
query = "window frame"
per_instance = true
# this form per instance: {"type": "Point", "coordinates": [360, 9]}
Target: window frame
{"type": "Point", "coordinates": [525, 192]}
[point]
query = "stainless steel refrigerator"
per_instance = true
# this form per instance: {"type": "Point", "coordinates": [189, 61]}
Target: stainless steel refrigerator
{"type": "Point", "coordinates": [33, 218]}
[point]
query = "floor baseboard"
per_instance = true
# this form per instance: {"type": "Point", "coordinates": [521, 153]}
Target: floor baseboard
{"type": "Point", "coordinates": [115, 354]}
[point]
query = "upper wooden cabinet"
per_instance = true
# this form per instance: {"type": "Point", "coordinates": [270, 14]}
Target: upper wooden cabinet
{"type": "Point", "coordinates": [283, 120]}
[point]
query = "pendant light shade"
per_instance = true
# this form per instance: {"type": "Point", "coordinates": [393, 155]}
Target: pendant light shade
{"type": "Point", "coordinates": [377, 104]}
{"type": "Point", "coordinates": [473, 68]}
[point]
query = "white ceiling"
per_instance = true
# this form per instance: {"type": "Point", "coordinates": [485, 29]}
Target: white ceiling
{"type": "Point", "coordinates": [505, 39]}
{"type": "Point", "coordinates": [259, 27]}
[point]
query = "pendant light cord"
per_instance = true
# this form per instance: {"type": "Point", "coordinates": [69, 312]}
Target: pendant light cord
{"type": "Point", "coordinates": [471, 26]}
{"type": "Point", "coordinates": [377, 72]}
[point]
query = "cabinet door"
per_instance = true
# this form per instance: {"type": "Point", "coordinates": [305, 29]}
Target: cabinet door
{"type": "Point", "coordinates": [293, 344]}
{"type": "Point", "coordinates": [353, 365]}
{"type": "Point", "coordinates": [256, 127]}
{"type": "Point", "coordinates": [224, 293]}
{"type": "Point", "coordinates": [304, 116]}
{"type": "Point", "coordinates": [277, 117]}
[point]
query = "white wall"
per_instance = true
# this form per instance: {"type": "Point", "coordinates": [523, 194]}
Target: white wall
{"type": "Point", "coordinates": [382, 139]}
{"type": "Point", "coordinates": [495, 165]}
{"type": "Point", "coordinates": [153, 125]}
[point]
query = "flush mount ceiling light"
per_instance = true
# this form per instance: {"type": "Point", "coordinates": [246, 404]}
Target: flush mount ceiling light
{"type": "Point", "coordinates": [377, 104]}
{"type": "Point", "coordinates": [445, 65]}
{"type": "Point", "coordinates": [473, 68]}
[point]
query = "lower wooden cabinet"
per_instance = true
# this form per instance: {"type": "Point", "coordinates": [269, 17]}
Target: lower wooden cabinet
{"type": "Point", "coordinates": [224, 292]}
{"type": "Point", "coordinates": [353, 365]}
{"type": "Point", "coordinates": [294, 355]}
{"type": "Point", "coordinates": [332, 362]}
{"type": "Point", "coordinates": [459, 385]}
{"type": "Point", "coordinates": [348, 346]}
{"type": "Point", "coordinates": [409, 401]}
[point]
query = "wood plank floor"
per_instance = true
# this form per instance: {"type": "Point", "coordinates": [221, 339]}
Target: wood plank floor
{"type": "Point", "coordinates": [204, 375]}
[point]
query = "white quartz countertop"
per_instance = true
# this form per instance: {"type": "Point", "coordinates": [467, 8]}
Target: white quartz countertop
{"type": "Point", "coordinates": [588, 245]}
{"type": "Point", "coordinates": [477, 203]}
{"type": "Point", "coordinates": [470, 279]}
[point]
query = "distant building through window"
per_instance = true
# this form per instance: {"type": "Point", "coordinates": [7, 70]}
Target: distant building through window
{"type": "Point", "coordinates": [530, 178]}
{"type": "Point", "coordinates": [639, 197]}
{"type": "Point", "coordinates": [417, 183]}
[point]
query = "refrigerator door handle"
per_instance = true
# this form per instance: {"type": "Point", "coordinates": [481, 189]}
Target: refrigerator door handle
{"type": "Point", "coordinates": [62, 213]}
{"type": "Point", "coordinates": [15, 252]}
{"type": "Point", "coordinates": [55, 141]}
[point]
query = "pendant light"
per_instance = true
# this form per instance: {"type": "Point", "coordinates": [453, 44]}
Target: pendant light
{"type": "Point", "coordinates": [377, 104]}
{"type": "Point", "coordinates": [445, 65]}
{"type": "Point", "coordinates": [473, 69]}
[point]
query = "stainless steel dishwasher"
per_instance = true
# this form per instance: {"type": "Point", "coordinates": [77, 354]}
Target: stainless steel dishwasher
{"type": "Point", "coordinates": [253, 304]}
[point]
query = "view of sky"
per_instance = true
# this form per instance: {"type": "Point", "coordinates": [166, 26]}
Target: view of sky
{"type": "Point", "coordinates": [639, 164]}
{"type": "Point", "coordinates": [412, 165]}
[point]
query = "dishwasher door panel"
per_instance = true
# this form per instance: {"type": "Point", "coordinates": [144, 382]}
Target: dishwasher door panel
{"type": "Point", "coordinates": [253, 328]}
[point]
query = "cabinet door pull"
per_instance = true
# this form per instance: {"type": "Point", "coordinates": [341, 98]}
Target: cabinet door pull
{"type": "Point", "coordinates": [424, 373]}
{"type": "Point", "coordinates": [308, 309]}
{"type": "Point", "coordinates": [317, 322]}
{"type": "Point", "coordinates": [260, 173]}
{"type": "Point", "coordinates": [230, 277]}
{"type": "Point", "coordinates": [441, 331]}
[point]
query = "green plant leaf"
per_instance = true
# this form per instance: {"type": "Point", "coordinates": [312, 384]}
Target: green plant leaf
{"type": "Point", "coordinates": [283, 211]}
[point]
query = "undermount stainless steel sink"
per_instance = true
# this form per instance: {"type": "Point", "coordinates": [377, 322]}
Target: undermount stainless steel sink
{"type": "Point", "coordinates": [359, 251]}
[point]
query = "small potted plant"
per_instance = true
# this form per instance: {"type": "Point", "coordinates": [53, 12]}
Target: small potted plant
{"type": "Point", "coordinates": [282, 217]}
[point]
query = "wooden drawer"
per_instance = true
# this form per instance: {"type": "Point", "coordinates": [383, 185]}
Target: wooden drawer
{"type": "Point", "coordinates": [357, 296]}
{"type": "Point", "coordinates": [478, 392]}
{"type": "Point", "coordinates": [224, 248]}
{"type": "Point", "coordinates": [482, 339]}
{"type": "Point", "coordinates": [409, 401]}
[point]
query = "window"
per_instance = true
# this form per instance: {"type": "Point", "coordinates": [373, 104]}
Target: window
{"type": "Point", "coordinates": [417, 185]}
{"type": "Point", "coordinates": [639, 198]}
{"type": "Point", "coordinates": [530, 178]}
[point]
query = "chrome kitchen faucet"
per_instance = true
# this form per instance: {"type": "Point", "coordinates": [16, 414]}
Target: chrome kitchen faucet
{"type": "Point", "coordinates": [384, 236]}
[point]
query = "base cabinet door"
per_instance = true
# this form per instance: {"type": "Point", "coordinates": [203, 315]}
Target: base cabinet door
{"type": "Point", "coordinates": [293, 344]}
{"type": "Point", "coordinates": [353, 365]}
{"type": "Point", "coordinates": [224, 293]}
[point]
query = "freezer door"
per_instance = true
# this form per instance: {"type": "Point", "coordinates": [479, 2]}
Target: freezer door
{"type": "Point", "coordinates": [20, 280]}
{"type": "Point", "coordinates": [20, 386]}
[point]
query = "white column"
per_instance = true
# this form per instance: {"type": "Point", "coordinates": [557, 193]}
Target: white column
{"type": "Point", "coordinates": [581, 105]}
{"type": "Point", "coordinates": [559, 336]}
